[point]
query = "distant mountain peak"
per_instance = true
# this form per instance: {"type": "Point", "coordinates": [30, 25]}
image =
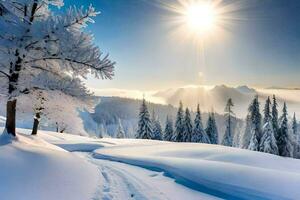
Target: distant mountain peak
{"type": "Point", "coordinates": [245, 89]}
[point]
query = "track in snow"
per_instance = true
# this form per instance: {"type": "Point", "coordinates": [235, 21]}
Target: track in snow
{"type": "Point", "coordinates": [122, 181]}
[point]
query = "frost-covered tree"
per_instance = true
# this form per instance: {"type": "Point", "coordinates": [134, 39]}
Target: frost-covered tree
{"type": "Point", "coordinates": [275, 123]}
{"type": "Point", "coordinates": [179, 124]}
{"type": "Point", "coordinates": [284, 142]}
{"type": "Point", "coordinates": [255, 118]}
{"type": "Point", "coordinates": [199, 134]}
{"type": "Point", "coordinates": [295, 137]}
{"type": "Point", "coordinates": [45, 82]}
{"type": "Point", "coordinates": [188, 127]}
{"type": "Point", "coordinates": [62, 111]}
{"type": "Point", "coordinates": [268, 142]}
{"type": "Point", "coordinates": [267, 111]}
{"type": "Point", "coordinates": [237, 139]}
{"type": "Point", "coordinates": [247, 133]}
{"type": "Point", "coordinates": [211, 129]}
{"type": "Point", "coordinates": [157, 130]}
{"type": "Point", "coordinates": [229, 114]}
{"type": "Point", "coordinates": [145, 130]}
{"type": "Point", "coordinates": [120, 130]}
{"type": "Point", "coordinates": [168, 132]}
{"type": "Point", "coordinates": [33, 39]}
{"type": "Point", "coordinates": [295, 125]}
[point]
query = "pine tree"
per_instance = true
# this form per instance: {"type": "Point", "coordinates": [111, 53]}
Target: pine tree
{"type": "Point", "coordinates": [168, 133]}
{"type": "Point", "coordinates": [211, 129]}
{"type": "Point", "coordinates": [179, 124]}
{"type": "Point", "coordinates": [120, 130]}
{"type": "Point", "coordinates": [188, 127]}
{"type": "Point", "coordinates": [255, 118]}
{"type": "Point", "coordinates": [199, 134]}
{"type": "Point", "coordinates": [247, 134]}
{"type": "Point", "coordinates": [275, 124]}
{"type": "Point", "coordinates": [145, 130]}
{"type": "Point", "coordinates": [267, 111]}
{"type": "Point", "coordinates": [295, 126]}
{"type": "Point", "coordinates": [295, 137]}
{"type": "Point", "coordinates": [268, 141]}
{"type": "Point", "coordinates": [284, 143]}
{"type": "Point", "coordinates": [237, 140]}
{"type": "Point", "coordinates": [228, 136]}
{"type": "Point", "coordinates": [157, 130]}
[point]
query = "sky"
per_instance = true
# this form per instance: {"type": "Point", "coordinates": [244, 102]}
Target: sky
{"type": "Point", "coordinates": [259, 46]}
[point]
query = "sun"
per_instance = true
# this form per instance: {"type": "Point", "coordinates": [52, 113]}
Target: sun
{"type": "Point", "coordinates": [200, 17]}
{"type": "Point", "coordinates": [202, 21]}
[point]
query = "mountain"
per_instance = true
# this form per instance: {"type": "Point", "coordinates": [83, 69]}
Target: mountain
{"type": "Point", "coordinates": [246, 90]}
{"type": "Point", "coordinates": [216, 97]}
{"type": "Point", "coordinates": [210, 98]}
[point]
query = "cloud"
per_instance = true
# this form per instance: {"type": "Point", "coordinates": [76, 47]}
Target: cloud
{"type": "Point", "coordinates": [134, 94]}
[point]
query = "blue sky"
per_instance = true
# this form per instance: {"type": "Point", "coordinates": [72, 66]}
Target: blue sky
{"type": "Point", "coordinates": [261, 48]}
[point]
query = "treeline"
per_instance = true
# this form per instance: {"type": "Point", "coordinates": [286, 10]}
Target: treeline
{"type": "Point", "coordinates": [265, 132]}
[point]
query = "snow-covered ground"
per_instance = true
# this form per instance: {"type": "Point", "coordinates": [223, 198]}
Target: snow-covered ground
{"type": "Point", "coordinates": [62, 166]}
{"type": "Point", "coordinates": [32, 169]}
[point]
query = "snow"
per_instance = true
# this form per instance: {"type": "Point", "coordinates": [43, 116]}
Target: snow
{"type": "Point", "coordinates": [62, 166]}
{"type": "Point", "coordinates": [216, 170]}
{"type": "Point", "coordinates": [34, 169]}
{"type": "Point", "coordinates": [124, 181]}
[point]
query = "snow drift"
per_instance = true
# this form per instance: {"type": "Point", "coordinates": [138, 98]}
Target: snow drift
{"type": "Point", "coordinates": [221, 171]}
{"type": "Point", "coordinates": [31, 168]}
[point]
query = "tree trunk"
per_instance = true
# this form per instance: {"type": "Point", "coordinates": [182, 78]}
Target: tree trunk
{"type": "Point", "coordinates": [11, 117]}
{"type": "Point", "coordinates": [36, 123]}
{"type": "Point", "coordinates": [12, 103]}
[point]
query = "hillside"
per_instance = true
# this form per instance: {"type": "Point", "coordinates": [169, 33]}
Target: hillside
{"type": "Point", "coordinates": [66, 166]}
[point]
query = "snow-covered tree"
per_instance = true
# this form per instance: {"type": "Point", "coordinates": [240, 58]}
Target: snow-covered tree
{"type": "Point", "coordinates": [199, 134]}
{"type": "Point", "coordinates": [268, 141]}
{"type": "Point", "coordinates": [237, 139]}
{"type": "Point", "coordinates": [120, 130]}
{"type": "Point", "coordinates": [255, 118]}
{"type": "Point", "coordinates": [211, 129]}
{"type": "Point", "coordinates": [284, 142]}
{"type": "Point", "coordinates": [145, 130]}
{"type": "Point", "coordinates": [188, 127]}
{"type": "Point", "coordinates": [62, 111]}
{"type": "Point", "coordinates": [295, 125]}
{"type": "Point", "coordinates": [33, 39]}
{"type": "Point", "coordinates": [275, 123]}
{"type": "Point", "coordinates": [179, 124]}
{"type": "Point", "coordinates": [229, 114]}
{"type": "Point", "coordinates": [168, 133]}
{"type": "Point", "coordinates": [45, 82]}
{"type": "Point", "coordinates": [295, 137]}
{"type": "Point", "coordinates": [247, 133]}
{"type": "Point", "coordinates": [267, 111]}
{"type": "Point", "coordinates": [157, 130]}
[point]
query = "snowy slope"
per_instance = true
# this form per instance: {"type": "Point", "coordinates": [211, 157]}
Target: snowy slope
{"type": "Point", "coordinates": [32, 169]}
{"type": "Point", "coordinates": [59, 174]}
{"type": "Point", "coordinates": [221, 171]}
{"type": "Point", "coordinates": [44, 169]}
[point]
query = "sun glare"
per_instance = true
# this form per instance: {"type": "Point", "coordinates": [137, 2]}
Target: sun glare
{"type": "Point", "coordinates": [200, 17]}
{"type": "Point", "coordinates": [202, 20]}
